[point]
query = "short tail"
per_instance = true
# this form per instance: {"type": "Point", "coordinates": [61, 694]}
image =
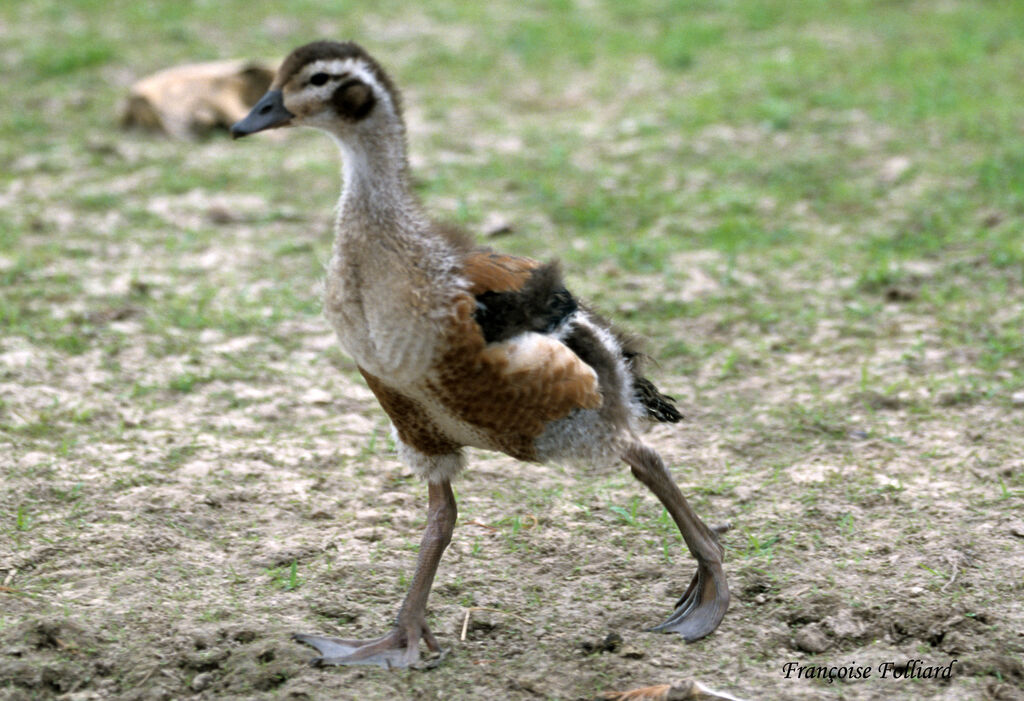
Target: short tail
{"type": "Point", "coordinates": [660, 407]}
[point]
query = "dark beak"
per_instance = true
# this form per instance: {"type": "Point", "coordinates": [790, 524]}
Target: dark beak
{"type": "Point", "coordinates": [268, 113]}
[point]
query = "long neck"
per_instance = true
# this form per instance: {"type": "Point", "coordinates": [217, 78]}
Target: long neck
{"type": "Point", "coordinates": [375, 192]}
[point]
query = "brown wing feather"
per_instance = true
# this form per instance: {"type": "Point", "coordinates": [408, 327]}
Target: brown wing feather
{"type": "Point", "coordinates": [513, 389]}
{"type": "Point", "coordinates": [488, 271]}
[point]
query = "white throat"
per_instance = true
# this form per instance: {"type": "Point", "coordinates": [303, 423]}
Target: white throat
{"type": "Point", "coordinates": [374, 187]}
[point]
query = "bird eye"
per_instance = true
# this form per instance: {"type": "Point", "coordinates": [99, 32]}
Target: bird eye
{"type": "Point", "coordinates": [319, 78]}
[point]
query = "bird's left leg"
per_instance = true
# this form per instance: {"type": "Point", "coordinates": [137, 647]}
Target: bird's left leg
{"type": "Point", "coordinates": [703, 605]}
{"type": "Point", "coordinates": [400, 647]}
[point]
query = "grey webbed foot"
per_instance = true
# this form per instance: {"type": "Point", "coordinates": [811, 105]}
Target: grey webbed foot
{"type": "Point", "coordinates": [397, 649]}
{"type": "Point", "coordinates": [700, 610]}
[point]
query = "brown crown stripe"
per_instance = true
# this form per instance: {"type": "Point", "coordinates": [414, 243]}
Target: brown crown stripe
{"type": "Point", "coordinates": [327, 50]}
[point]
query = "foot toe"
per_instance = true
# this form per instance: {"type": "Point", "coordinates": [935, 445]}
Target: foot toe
{"type": "Point", "coordinates": [329, 647]}
{"type": "Point", "coordinates": [389, 651]}
{"type": "Point", "coordinates": [702, 607]}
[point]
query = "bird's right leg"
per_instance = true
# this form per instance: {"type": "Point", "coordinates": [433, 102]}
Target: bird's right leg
{"type": "Point", "coordinates": [703, 605]}
{"type": "Point", "coordinates": [400, 647]}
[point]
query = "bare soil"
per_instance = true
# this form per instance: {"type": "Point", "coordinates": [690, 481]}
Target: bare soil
{"type": "Point", "coordinates": [171, 549]}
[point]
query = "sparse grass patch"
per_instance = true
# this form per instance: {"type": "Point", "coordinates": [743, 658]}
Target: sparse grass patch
{"type": "Point", "coordinates": [287, 578]}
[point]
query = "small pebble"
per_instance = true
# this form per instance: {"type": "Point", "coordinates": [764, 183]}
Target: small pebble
{"type": "Point", "coordinates": [219, 214]}
{"type": "Point", "coordinates": [811, 639]}
{"type": "Point", "coordinates": [1017, 529]}
{"type": "Point", "coordinates": [631, 653]}
{"type": "Point", "coordinates": [369, 516]}
{"type": "Point", "coordinates": [201, 681]}
{"type": "Point", "coordinates": [322, 511]}
{"type": "Point", "coordinates": [316, 395]}
{"type": "Point", "coordinates": [369, 534]}
{"type": "Point", "coordinates": [497, 225]}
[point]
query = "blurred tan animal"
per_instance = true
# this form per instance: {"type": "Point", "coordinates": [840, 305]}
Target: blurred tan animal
{"type": "Point", "coordinates": [189, 101]}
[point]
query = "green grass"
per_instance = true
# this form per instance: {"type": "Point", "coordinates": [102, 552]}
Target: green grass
{"type": "Point", "coordinates": [814, 213]}
{"type": "Point", "coordinates": [286, 578]}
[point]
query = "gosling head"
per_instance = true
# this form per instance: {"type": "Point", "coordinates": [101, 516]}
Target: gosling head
{"type": "Point", "coordinates": [329, 85]}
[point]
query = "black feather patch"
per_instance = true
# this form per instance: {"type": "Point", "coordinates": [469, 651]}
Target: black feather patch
{"type": "Point", "coordinates": [353, 100]}
{"type": "Point", "coordinates": [540, 305]}
{"type": "Point", "coordinates": [660, 407]}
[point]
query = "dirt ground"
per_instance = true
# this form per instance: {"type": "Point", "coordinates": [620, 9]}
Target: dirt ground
{"type": "Point", "coordinates": [192, 470]}
{"type": "Point", "coordinates": [172, 553]}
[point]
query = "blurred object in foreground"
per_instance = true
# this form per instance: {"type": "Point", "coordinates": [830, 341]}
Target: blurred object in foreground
{"type": "Point", "coordinates": [684, 690]}
{"type": "Point", "coordinates": [188, 102]}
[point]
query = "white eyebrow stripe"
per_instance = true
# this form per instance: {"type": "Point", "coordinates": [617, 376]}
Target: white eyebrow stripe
{"type": "Point", "coordinates": [357, 69]}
